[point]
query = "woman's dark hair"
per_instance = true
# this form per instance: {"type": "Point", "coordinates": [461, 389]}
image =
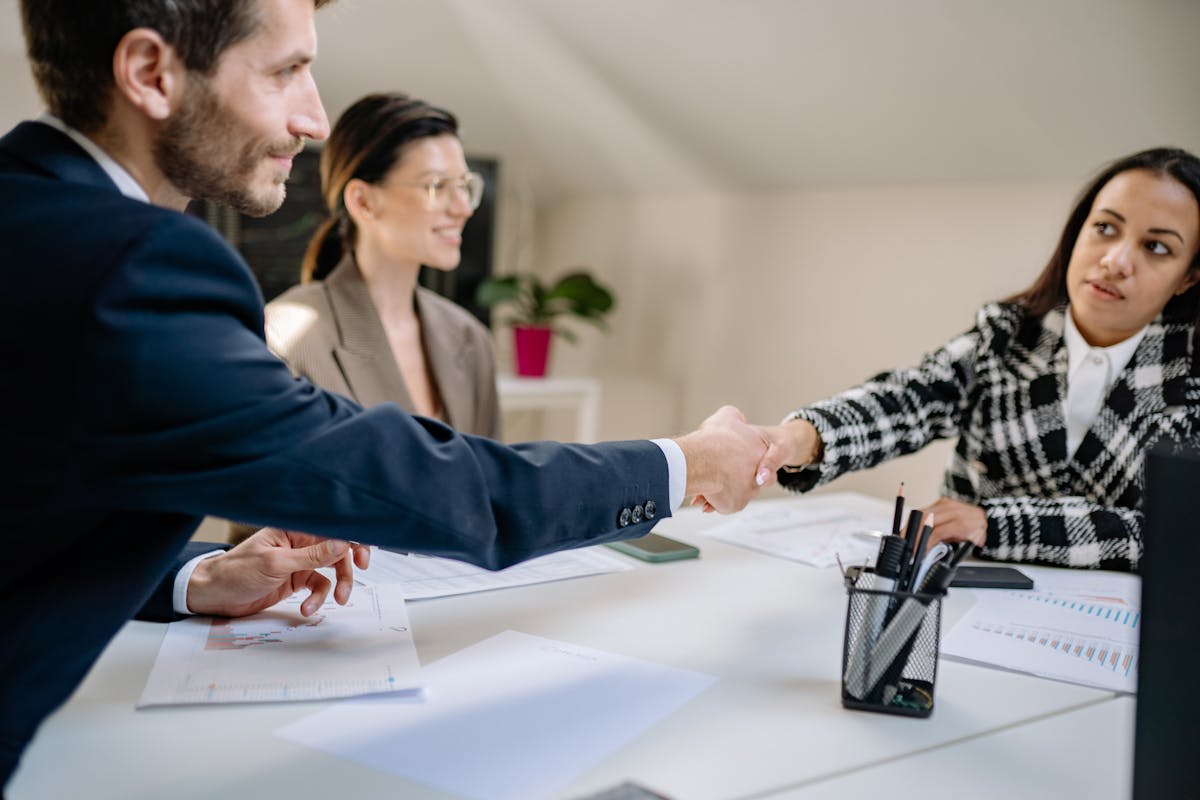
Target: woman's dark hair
{"type": "Point", "coordinates": [366, 142]}
{"type": "Point", "coordinates": [1049, 290]}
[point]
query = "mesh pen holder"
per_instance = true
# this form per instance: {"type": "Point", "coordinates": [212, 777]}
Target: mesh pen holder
{"type": "Point", "coordinates": [890, 648]}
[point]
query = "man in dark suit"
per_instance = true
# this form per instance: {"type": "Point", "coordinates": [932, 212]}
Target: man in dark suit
{"type": "Point", "coordinates": [138, 390]}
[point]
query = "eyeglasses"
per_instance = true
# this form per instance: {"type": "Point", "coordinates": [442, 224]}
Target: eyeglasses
{"type": "Point", "coordinates": [442, 191]}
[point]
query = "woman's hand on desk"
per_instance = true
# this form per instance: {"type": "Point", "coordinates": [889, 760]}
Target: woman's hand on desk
{"type": "Point", "coordinates": [955, 521]}
{"type": "Point", "coordinates": [269, 566]}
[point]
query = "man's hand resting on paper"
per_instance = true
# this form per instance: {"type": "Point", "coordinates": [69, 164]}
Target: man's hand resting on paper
{"type": "Point", "coordinates": [269, 566]}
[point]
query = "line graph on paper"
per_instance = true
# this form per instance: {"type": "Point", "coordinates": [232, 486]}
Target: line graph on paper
{"type": "Point", "coordinates": [1069, 638]}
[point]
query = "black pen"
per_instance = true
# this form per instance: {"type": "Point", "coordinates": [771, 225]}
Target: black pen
{"type": "Point", "coordinates": [918, 554]}
{"type": "Point", "coordinates": [941, 574]}
{"type": "Point", "coordinates": [910, 540]}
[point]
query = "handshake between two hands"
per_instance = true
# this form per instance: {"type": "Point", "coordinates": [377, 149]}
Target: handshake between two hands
{"type": "Point", "coordinates": [729, 460]}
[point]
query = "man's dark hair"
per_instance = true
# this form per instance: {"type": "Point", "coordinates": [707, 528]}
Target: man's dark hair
{"type": "Point", "coordinates": [70, 44]}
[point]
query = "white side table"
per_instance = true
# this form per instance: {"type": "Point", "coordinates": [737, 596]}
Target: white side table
{"type": "Point", "coordinates": [582, 395]}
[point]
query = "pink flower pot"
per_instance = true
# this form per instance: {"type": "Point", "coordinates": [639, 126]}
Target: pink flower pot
{"type": "Point", "coordinates": [532, 349]}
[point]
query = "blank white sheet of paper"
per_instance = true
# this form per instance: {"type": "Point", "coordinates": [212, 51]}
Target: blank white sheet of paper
{"type": "Point", "coordinates": [364, 647]}
{"type": "Point", "coordinates": [514, 717]}
{"type": "Point", "coordinates": [424, 577]}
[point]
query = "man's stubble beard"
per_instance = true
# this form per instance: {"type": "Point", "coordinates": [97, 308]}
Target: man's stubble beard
{"type": "Point", "coordinates": [196, 155]}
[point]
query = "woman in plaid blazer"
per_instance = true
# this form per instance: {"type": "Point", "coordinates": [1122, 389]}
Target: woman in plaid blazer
{"type": "Point", "coordinates": [1054, 394]}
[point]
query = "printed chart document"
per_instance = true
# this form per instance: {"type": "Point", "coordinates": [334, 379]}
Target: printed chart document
{"type": "Point", "coordinates": [364, 647]}
{"type": "Point", "coordinates": [1074, 626]}
{"type": "Point", "coordinates": [423, 576]}
{"type": "Point", "coordinates": [514, 717]}
{"type": "Point", "coordinates": [812, 530]}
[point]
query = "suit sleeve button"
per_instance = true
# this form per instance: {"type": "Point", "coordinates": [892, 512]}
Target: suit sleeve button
{"type": "Point", "coordinates": [651, 509]}
{"type": "Point", "coordinates": [637, 514]}
{"type": "Point", "coordinates": [623, 518]}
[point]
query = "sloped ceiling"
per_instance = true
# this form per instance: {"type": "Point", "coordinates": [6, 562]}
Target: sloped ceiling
{"type": "Point", "coordinates": [664, 95]}
{"type": "Point", "coordinates": [618, 96]}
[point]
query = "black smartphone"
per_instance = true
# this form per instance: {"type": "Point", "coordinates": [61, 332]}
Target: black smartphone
{"type": "Point", "coordinates": [653, 547]}
{"type": "Point", "coordinates": [975, 577]}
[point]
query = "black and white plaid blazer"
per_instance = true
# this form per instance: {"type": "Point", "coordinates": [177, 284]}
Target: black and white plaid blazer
{"type": "Point", "coordinates": [999, 388]}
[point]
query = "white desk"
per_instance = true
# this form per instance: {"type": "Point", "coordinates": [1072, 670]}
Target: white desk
{"type": "Point", "coordinates": [581, 395]}
{"type": "Point", "coordinates": [1080, 753]}
{"type": "Point", "coordinates": [771, 726]}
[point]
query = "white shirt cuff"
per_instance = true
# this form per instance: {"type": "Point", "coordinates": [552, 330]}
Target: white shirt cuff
{"type": "Point", "coordinates": [676, 470]}
{"type": "Point", "coordinates": [179, 591]}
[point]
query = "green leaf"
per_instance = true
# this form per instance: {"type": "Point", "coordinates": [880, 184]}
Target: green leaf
{"type": "Point", "coordinates": [498, 290]}
{"type": "Point", "coordinates": [583, 294]}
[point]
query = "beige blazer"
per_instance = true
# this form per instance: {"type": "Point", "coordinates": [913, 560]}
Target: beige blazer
{"type": "Point", "coordinates": [330, 333]}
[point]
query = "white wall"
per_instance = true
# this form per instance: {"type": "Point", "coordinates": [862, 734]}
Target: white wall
{"type": "Point", "coordinates": [772, 301]}
{"type": "Point", "coordinates": [18, 97]}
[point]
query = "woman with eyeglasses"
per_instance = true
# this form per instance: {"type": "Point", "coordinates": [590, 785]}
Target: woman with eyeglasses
{"type": "Point", "coordinates": [1055, 394]}
{"type": "Point", "coordinates": [397, 186]}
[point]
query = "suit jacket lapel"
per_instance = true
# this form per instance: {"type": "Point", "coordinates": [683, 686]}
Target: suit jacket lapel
{"type": "Point", "coordinates": [364, 354]}
{"type": "Point", "coordinates": [444, 349]}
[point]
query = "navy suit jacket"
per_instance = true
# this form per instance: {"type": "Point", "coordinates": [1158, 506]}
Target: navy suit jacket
{"type": "Point", "coordinates": [160, 605]}
{"type": "Point", "coordinates": [139, 396]}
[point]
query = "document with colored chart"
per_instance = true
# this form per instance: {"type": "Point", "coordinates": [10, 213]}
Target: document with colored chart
{"type": "Point", "coordinates": [1074, 626]}
{"type": "Point", "coordinates": [277, 655]}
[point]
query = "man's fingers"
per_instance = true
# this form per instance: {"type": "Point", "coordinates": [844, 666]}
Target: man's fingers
{"type": "Point", "coordinates": [322, 554]}
{"type": "Point", "coordinates": [725, 415]}
{"type": "Point", "coordinates": [284, 561]}
{"type": "Point", "coordinates": [344, 571]}
{"type": "Point", "coordinates": [318, 585]}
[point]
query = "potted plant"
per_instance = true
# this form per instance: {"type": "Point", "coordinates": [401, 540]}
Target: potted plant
{"type": "Point", "coordinates": [536, 306]}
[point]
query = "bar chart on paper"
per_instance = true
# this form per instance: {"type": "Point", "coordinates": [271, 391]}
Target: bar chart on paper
{"type": "Point", "coordinates": [1078, 639]}
{"type": "Point", "coordinates": [279, 655]}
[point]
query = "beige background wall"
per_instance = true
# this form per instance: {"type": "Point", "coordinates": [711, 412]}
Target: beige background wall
{"type": "Point", "coordinates": [769, 301]}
